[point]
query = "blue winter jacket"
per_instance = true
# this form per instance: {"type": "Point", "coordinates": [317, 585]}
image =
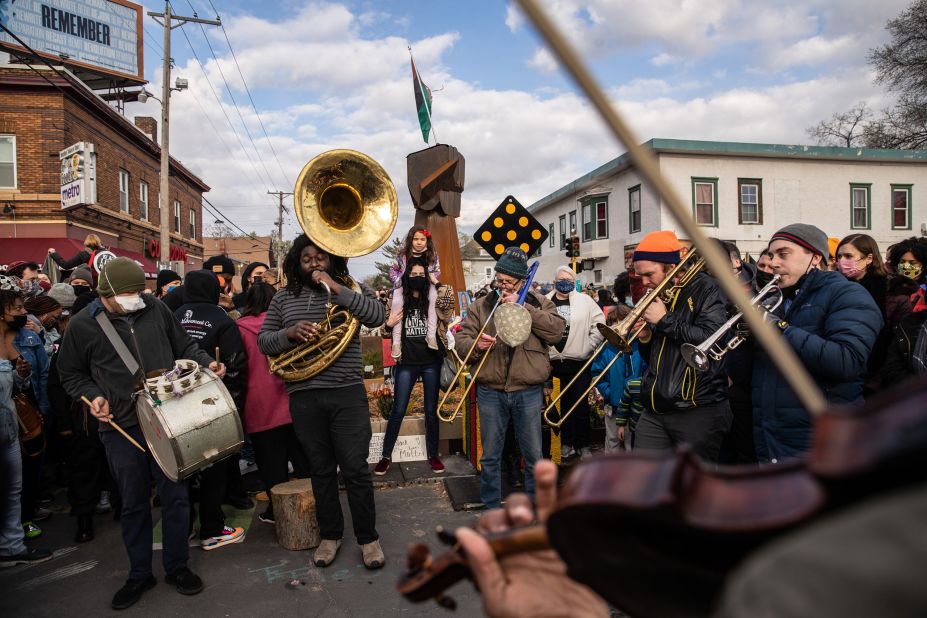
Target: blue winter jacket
{"type": "Point", "coordinates": [832, 326]}
{"type": "Point", "coordinates": [32, 348]}
{"type": "Point", "coordinates": [627, 368]}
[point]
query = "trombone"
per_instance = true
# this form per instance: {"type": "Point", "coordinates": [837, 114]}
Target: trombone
{"type": "Point", "coordinates": [699, 357]}
{"type": "Point", "coordinates": [519, 321]}
{"type": "Point", "coordinates": [621, 336]}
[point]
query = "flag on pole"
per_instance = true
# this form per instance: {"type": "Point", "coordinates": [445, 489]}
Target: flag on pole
{"type": "Point", "coordinates": [422, 103]}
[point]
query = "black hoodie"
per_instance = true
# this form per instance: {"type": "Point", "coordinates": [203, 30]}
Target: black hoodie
{"type": "Point", "coordinates": [210, 326]}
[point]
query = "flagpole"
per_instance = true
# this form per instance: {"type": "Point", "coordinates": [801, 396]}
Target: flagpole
{"type": "Point", "coordinates": [424, 98]}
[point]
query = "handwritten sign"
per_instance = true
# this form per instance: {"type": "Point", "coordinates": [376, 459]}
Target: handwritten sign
{"type": "Point", "coordinates": [408, 448]}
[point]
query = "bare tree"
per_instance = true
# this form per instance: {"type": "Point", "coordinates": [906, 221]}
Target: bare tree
{"type": "Point", "coordinates": [843, 129]}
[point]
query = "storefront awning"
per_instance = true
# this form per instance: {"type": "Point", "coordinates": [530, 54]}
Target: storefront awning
{"type": "Point", "coordinates": [36, 250]}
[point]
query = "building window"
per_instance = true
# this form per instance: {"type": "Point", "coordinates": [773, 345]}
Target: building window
{"type": "Point", "coordinates": [595, 219]}
{"type": "Point", "coordinates": [176, 216]}
{"type": "Point", "coordinates": [123, 191]}
{"type": "Point", "coordinates": [143, 200]}
{"type": "Point", "coordinates": [488, 272]}
{"type": "Point", "coordinates": [192, 224]}
{"type": "Point", "coordinates": [705, 201]}
{"type": "Point", "coordinates": [573, 229]}
{"type": "Point", "coordinates": [550, 235]}
{"type": "Point", "coordinates": [901, 207]}
{"type": "Point", "coordinates": [634, 209]}
{"type": "Point", "coordinates": [597, 276]}
{"type": "Point", "coordinates": [8, 161]}
{"type": "Point", "coordinates": [563, 232]}
{"type": "Point", "coordinates": [860, 205]}
{"type": "Point", "coordinates": [750, 206]}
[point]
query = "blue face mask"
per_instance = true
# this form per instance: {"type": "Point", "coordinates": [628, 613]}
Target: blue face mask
{"type": "Point", "coordinates": [564, 286]}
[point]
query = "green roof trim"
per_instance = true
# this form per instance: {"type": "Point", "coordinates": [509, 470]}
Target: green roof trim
{"type": "Point", "coordinates": [741, 149]}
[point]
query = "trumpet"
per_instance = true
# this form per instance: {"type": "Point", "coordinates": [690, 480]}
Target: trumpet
{"type": "Point", "coordinates": [622, 334]}
{"type": "Point", "coordinates": [699, 357]}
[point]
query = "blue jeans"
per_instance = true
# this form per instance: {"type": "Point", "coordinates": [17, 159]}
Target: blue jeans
{"type": "Point", "coordinates": [133, 472]}
{"type": "Point", "coordinates": [406, 375]}
{"type": "Point", "coordinates": [11, 487]}
{"type": "Point", "coordinates": [496, 408]}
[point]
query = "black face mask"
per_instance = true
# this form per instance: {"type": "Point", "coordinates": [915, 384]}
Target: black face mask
{"type": "Point", "coordinates": [417, 283]}
{"type": "Point", "coordinates": [17, 322]}
{"type": "Point", "coordinates": [763, 278]}
{"type": "Point", "coordinates": [79, 290]}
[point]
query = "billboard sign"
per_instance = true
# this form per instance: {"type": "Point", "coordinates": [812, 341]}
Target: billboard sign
{"type": "Point", "coordinates": [104, 36]}
{"type": "Point", "coordinates": [78, 175]}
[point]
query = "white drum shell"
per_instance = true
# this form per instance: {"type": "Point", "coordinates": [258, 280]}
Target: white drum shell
{"type": "Point", "coordinates": [188, 432]}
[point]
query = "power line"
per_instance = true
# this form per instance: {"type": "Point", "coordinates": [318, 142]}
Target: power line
{"type": "Point", "coordinates": [219, 215]}
{"type": "Point", "coordinates": [228, 89]}
{"type": "Point", "coordinates": [250, 98]}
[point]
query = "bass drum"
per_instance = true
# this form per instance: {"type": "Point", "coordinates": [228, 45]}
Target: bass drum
{"type": "Point", "coordinates": [189, 420]}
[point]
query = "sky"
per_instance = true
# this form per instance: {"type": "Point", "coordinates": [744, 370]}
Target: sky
{"type": "Point", "coordinates": [281, 82]}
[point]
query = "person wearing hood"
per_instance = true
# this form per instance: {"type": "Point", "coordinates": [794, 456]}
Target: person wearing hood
{"type": "Point", "coordinates": [253, 273]}
{"type": "Point", "coordinates": [224, 269]}
{"type": "Point", "coordinates": [907, 351]}
{"type": "Point", "coordinates": [212, 328]}
{"type": "Point", "coordinates": [89, 366]}
{"type": "Point", "coordinates": [81, 281]}
{"type": "Point", "coordinates": [830, 322]}
{"type": "Point", "coordinates": [167, 281]}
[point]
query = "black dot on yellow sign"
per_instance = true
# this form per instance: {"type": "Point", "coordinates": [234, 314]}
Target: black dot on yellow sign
{"type": "Point", "coordinates": [510, 225]}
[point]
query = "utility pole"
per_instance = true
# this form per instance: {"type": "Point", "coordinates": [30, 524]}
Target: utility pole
{"type": "Point", "coordinates": [165, 20]}
{"type": "Point", "coordinates": [278, 249]}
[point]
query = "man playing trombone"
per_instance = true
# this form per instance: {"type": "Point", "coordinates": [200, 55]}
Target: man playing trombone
{"type": "Point", "coordinates": [510, 384]}
{"type": "Point", "coordinates": [680, 405]}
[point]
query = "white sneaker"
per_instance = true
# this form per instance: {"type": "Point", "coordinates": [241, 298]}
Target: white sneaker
{"type": "Point", "coordinates": [229, 535]}
{"type": "Point", "coordinates": [566, 451]}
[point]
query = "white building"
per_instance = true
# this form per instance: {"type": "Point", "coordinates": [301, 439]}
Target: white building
{"type": "Point", "coordinates": [477, 265]}
{"type": "Point", "coordinates": [739, 192]}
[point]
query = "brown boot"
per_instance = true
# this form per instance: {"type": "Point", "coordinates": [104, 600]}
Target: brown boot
{"type": "Point", "coordinates": [326, 552]}
{"type": "Point", "coordinates": [373, 555]}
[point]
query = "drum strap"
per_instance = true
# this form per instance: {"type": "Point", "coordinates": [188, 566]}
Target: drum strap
{"type": "Point", "coordinates": [121, 349]}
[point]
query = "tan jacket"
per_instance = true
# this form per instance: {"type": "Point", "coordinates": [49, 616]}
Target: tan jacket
{"type": "Point", "coordinates": [512, 369]}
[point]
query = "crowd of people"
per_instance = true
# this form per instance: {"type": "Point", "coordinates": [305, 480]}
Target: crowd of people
{"type": "Point", "coordinates": [854, 319]}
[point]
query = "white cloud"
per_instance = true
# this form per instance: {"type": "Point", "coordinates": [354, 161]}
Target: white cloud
{"type": "Point", "coordinates": [355, 92]}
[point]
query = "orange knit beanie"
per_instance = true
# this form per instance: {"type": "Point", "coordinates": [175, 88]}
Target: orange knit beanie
{"type": "Point", "coordinates": [661, 246]}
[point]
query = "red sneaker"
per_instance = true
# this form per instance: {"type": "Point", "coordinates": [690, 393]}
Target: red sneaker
{"type": "Point", "coordinates": [436, 466]}
{"type": "Point", "coordinates": [382, 467]}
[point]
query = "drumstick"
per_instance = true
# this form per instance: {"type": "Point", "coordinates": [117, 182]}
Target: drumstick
{"type": "Point", "coordinates": [115, 426]}
{"type": "Point", "coordinates": [217, 355]}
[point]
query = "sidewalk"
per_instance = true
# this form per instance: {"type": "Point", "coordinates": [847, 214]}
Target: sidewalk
{"type": "Point", "coordinates": [253, 578]}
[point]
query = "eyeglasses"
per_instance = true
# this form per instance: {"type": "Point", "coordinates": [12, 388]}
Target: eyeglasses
{"type": "Point", "coordinates": [505, 284]}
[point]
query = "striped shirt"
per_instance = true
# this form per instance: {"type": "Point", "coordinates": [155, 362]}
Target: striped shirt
{"type": "Point", "coordinates": [286, 310]}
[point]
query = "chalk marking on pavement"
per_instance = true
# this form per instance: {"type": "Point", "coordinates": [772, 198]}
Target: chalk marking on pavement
{"type": "Point", "coordinates": [58, 553]}
{"type": "Point", "coordinates": [62, 573]}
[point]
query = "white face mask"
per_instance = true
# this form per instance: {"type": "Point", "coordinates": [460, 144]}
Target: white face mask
{"type": "Point", "coordinates": [130, 304]}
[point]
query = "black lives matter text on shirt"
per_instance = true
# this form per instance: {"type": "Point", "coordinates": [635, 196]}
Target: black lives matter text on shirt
{"type": "Point", "coordinates": [415, 350]}
{"type": "Point", "coordinates": [563, 309]}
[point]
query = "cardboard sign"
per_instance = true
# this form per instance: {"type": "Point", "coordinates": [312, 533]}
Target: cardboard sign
{"type": "Point", "coordinates": [408, 448]}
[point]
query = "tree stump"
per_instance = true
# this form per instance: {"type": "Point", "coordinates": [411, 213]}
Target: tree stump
{"type": "Point", "coordinates": [294, 513]}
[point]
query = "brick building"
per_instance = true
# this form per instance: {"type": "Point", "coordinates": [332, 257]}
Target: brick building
{"type": "Point", "coordinates": [43, 112]}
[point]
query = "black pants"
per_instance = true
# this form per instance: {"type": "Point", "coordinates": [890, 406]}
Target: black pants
{"type": "Point", "coordinates": [212, 493]}
{"type": "Point", "coordinates": [575, 430]}
{"type": "Point", "coordinates": [32, 484]}
{"type": "Point", "coordinates": [273, 448]}
{"type": "Point", "coordinates": [133, 471]}
{"type": "Point", "coordinates": [333, 426]}
{"type": "Point", "coordinates": [703, 428]}
{"type": "Point", "coordinates": [88, 472]}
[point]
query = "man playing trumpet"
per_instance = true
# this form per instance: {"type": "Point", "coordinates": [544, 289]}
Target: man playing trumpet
{"type": "Point", "coordinates": [680, 405]}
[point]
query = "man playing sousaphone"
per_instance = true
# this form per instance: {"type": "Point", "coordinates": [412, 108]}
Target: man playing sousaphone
{"type": "Point", "coordinates": [90, 367]}
{"type": "Point", "coordinates": [330, 413]}
{"type": "Point", "coordinates": [509, 386]}
{"type": "Point", "coordinates": [680, 405]}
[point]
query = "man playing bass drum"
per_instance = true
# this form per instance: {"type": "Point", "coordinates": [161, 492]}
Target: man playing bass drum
{"type": "Point", "coordinates": [680, 405]}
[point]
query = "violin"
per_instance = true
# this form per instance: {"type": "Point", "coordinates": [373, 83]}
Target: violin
{"type": "Point", "coordinates": [671, 528]}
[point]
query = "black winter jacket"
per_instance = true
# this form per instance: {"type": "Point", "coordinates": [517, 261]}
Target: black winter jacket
{"type": "Point", "coordinates": [89, 365]}
{"type": "Point", "coordinates": [208, 323]}
{"type": "Point", "coordinates": [897, 365]}
{"type": "Point", "coordinates": [669, 384]}
{"type": "Point", "coordinates": [82, 258]}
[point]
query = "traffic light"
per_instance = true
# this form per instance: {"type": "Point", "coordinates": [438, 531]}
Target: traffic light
{"type": "Point", "coordinates": [579, 267]}
{"type": "Point", "coordinates": [566, 244]}
{"type": "Point", "coordinates": [575, 241]}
